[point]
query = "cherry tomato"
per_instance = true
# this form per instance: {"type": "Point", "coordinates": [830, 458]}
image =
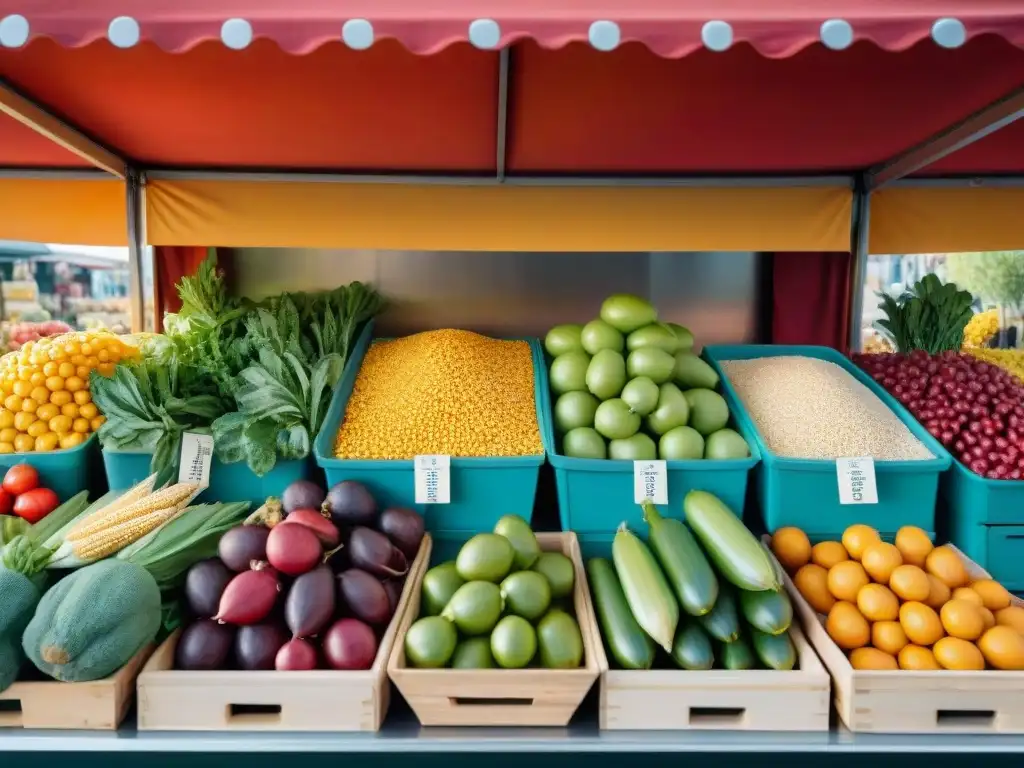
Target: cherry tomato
{"type": "Point", "coordinates": [21, 478]}
{"type": "Point", "coordinates": [36, 504]}
{"type": "Point", "coordinates": [6, 502]}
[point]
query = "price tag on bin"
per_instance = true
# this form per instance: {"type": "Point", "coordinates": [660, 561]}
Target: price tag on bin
{"type": "Point", "coordinates": [650, 481]}
{"type": "Point", "coordinates": [196, 457]}
{"type": "Point", "coordinates": [857, 480]}
{"type": "Point", "coordinates": [433, 479]}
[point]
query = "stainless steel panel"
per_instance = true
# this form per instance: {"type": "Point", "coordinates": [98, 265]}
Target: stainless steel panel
{"type": "Point", "coordinates": [716, 295]}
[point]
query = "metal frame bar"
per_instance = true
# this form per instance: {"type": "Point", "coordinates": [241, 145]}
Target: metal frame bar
{"type": "Point", "coordinates": [136, 247]}
{"type": "Point", "coordinates": [501, 143]}
{"type": "Point", "coordinates": [859, 252]}
{"type": "Point", "coordinates": [975, 182]}
{"type": "Point", "coordinates": [973, 128]}
{"type": "Point", "coordinates": [42, 121]}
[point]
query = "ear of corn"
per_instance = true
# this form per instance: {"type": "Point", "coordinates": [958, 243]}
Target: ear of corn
{"type": "Point", "coordinates": [173, 497]}
{"type": "Point", "coordinates": [647, 592]}
{"type": "Point", "coordinates": [130, 496]}
{"type": "Point", "coordinates": [109, 541]}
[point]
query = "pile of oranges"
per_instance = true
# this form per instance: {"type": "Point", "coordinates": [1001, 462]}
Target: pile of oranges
{"type": "Point", "coordinates": [44, 390]}
{"type": "Point", "coordinates": [907, 605]}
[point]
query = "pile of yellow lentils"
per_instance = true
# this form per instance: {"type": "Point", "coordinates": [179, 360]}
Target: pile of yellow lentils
{"type": "Point", "coordinates": [45, 390]}
{"type": "Point", "coordinates": [1010, 360]}
{"type": "Point", "coordinates": [447, 392]}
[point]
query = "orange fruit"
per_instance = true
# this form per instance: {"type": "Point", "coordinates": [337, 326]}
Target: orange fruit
{"type": "Point", "coordinates": [939, 594]}
{"type": "Point", "coordinates": [880, 560]}
{"type": "Point", "coordinates": [846, 579]}
{"type": "Point", "coordinates": [921, 623]}
{"type": "Point", "coordinates": [993, 594]}
{"type": "Point", "coordinates": [914, 657]}
{"type": "Point", "coordinates": [1012, 617]}
{"type": "Point", "coordinates": [857, 537]}
{"type": "Point", "coordinates": [913, 544]}
{"type": "Point", "coordinates": [878, 603]}
{"type": "Point", "coordinates": [910, 583]}
{"type": "Point", "coordinates": [828, 553]}
{"type": "Point", "coordinates": [1003, 648]}
{"type": "Point", "coordinates": [954, 653]}
{"type": "Point", "coordinates": [968, 594]}
{"type": "Point", "coordinates": [963, 619]}
{"type": "Point", "coordinates": [946, 564]}
{"type": "Point", "coordinates": [888, 636]}
{"type": "Point", "coordinates": [792, 548]}
{"type": "Point", "coordinates": [988, 616]}
{"type": "Point", "coordinates": [872, 658]}
{"type": "Point", "coordinates": [811, 582]}
{"type": "Point", "coordinates": [847, 627]}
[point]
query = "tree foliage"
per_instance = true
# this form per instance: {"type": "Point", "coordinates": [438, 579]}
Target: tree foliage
{"type": "Point", "coordinates": [996, 277]}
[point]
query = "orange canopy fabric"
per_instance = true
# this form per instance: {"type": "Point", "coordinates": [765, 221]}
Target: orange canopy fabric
{"type": "Point", "coordinates": [78, 211]}
{"type": "Point", "coordinates": [497, 217]}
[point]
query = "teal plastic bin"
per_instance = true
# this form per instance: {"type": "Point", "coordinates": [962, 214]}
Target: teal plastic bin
{"type": "Point", "coordinates": [65, 472]}
{"type": "Point", "coordinates": [596, 495]}
{"type": "Point", "coordinates": [228, 482]}
{"type": "Point", "coordinates": [805, 493]}
{"type": "Point", "coordinates": [482, 489]}
{"type": "Point", "coordinates": [976, 500]}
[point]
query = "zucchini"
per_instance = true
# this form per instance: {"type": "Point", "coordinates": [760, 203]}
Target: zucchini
{"type": "Point", "coordinates": [774, 651]}
{"type": "Point", "coordinates": [770, 612]}
{"type": "Point", "coordinates": [692, 648]}
{"type": "Point", "coordinates": [723, 623]}
{"type": "Point", "coordinates": [737, 655]}
{"type": "Point", "coordinates": [687, 569]}
{"type": "Point", "coordinates": [650, 600]}
{"type": "Point", "coordinates": [626, 642]}
{"type": "Point", "coordinates": [736, 554]}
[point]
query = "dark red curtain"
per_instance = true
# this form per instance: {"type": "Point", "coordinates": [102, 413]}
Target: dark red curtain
{"type": "Point", "coordinates": [173, 262]}
{"type": "Point", "coordinates": [811, 299]}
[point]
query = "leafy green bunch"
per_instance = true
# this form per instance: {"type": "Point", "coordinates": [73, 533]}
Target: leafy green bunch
{"type": "Point", "coordinates": [930, 316]}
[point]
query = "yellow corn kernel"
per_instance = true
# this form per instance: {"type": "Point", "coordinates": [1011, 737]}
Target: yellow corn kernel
{"type": "Point", "coordinates": [170, 496]}
{"type": "Point", "coordinates": [47, 442]}
{"type": "Point", "coordinates": [86, 411]}
{"type": "Point", "coordinates": [447, 392]}
{"type": "Point", "coordinates": [28, 405]}
{"type": "Point", "coordinates": [24, 443]}
{"type": "Point", "coordinates": [60, 424]}
{"type": "Point", "coordinates": [62, 397]}
{"type": "Point", "coordinates": [6, 447]}
{"type": "Point", "coordinates": [6, 418]}
{"type": "Point", "coordinates": [23, 420]}
{"type": "Point", "coordinates": [112, 540]}
{"type": "Point", "coordinates": [47, 411]}
{"type": "Point", "coordinates": [51, 369]}
{"type": "Point", "coordinates": [37, 428]}
{"type": "Point", "coordinates": [13, 402]}
{"type": "Point", "coordinates": [96, 423]}
{"type": "Point", "coordinates": [54, 383]}
{"type": "Point", "coordinates": [22, 388]}
{"type": "Point", "coordinates": [83, 396]}
{"type": "Point", "coordinates": [71, 440]}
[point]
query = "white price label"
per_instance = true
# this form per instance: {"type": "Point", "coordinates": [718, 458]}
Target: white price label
{"type": "Point", "coordinates": [650, 481]}
{"type": "Point", "coordinates": [857, 480]}
{"type": "Point", "coordinates": [196, 457]}
{"type": "Point", "coordinates": [433, 479]}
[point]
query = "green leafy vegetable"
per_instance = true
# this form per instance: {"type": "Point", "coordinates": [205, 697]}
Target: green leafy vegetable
{"type": "Point", "coordinates": [931, 316]}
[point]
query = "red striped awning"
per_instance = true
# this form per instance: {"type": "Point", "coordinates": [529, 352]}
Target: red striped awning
{"type": "Point", "coordinates": [670, 28]}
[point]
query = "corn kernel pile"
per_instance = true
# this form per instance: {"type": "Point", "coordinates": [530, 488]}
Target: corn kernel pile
{"type": "Point", "coordinates": [45, 390]}
{"type": "Point", "coordinates": [448, 392]}
{"type": "Point", "coordinates": [981, 328]}
{"type": "Point", "coordinates": [1010, 360]}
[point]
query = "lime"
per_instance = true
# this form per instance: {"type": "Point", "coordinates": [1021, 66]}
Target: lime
{"type": "Point", "coordinates": [430, 641]}
{"type": "Point", "coordinates": [513, 642]}
{"type": "Point", "coordinates": [527, 594]}
{"type": "Point", "coordinates": [520, 535]}
{"type": "Point", "coordinates": [439, 584]}
{"type": "Point", "coordinates": [559, 572]}
{"type": "Point", "coordinates": [485, 557]}
{"type": "Point", "coordinates": [473, 653]}
{"type": "Point", "coordinates": [475, 608]}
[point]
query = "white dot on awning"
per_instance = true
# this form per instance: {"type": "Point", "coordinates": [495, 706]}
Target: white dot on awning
{"type": "Point", "coordinates": [124, 32]}
{"type": "Point", "coordinates": [605, 35]}
{"type": "Point", "coordinates": [836, 34]}
{"type": "Point", "coordinates": [236, 34]}
{"type": "Point", "coordinates": [485, 33]}
{"type": "Point", "coordinates": [949, 33]}
{"type": "Point", "coordinates": [357, 34]}
{"type": "Point", "coordinates": [13, 31]}
{"type": "Point", "coordinates": [716, 35]}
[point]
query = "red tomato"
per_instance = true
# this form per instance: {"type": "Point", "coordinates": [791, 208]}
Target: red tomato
{"type": "Point", "coordinates": [36, 504]}
{"type": "Point", "coordinates": [6, 502]}
{"type": "Point", "coordinates": [21, 478]}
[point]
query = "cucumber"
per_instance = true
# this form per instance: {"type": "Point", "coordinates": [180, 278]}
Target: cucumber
{"type": "Point", "coordinates": [774, 651]}
{"type": "Point", "coordinates": [737, 655]}
{"type": "Point", "coordinates": [687, 569]}
{"type": "Point", "coordinates": [770, 612]}
{"type": "Point", "coordinates": [647, 593]}
{"type": "Point", "coordinates": [723, 623]}
{"type": "Point", "coordinates": [629, 645]}
{"type": "Point", "coordinates": [692, 648]}
{"type": "Point", "coordinates": [736, 554]}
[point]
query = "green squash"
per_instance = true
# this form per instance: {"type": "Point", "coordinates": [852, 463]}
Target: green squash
{"type": "Point", "coordinates": [92, 622]}
{"type": "Point", "coordinates": [18, 599]}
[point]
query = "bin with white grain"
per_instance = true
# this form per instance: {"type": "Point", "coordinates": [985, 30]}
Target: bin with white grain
{"type": "Point", "coordinates": [804, 492]}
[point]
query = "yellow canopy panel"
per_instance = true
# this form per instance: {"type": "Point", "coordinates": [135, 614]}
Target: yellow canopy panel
{"type": "Point", "coordinates": [73, 211]}
{"type": "Point", "coordinates": [930, 219]}
{"type": "Point", "coordinates": [311, 214]}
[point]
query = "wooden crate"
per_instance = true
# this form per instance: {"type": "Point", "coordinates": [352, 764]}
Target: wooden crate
{"type": "Point", "coordinates": [318, 700]}
{"type": "Point", "coordinates": [749, 700]}
{"type": "Point", "coordinates": [99, 705]}
{"type": "Point", "coordinates": [916, 702]}
{"type": "Point", "coordinates": [502, 697]}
